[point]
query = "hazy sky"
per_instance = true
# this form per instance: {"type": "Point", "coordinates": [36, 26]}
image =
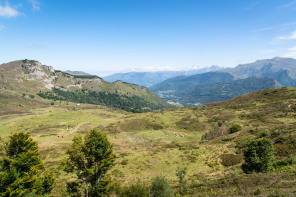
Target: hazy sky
{"type": "Point", "coordinates": [101, 36]}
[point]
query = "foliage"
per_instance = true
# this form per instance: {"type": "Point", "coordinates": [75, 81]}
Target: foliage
{"type": "Point", "coordinates": [214, 133]}
{"type": "Point", "coordinates": [129, 103]}
{"type": "Point", "coordinates": [22, 172]}
{"type": "Point", "coordinates": [259, 156]}
{"type": "Point", "coordinates": [230, 159]}
{"type": "Point", "coordinates": [235, 128]}
{"type": "Point", "coordinates": [86, 76]}
{"type": "Point", "coordinates": [90, 159]}
{"type": "Point", "coordinates": [191, 124]}
{"type": "Point", "coordinates": [160, 187]}
{"type": "Point", "coordinates": [285, 162]}
{"type": "Point", "coordinates": [181, 173]}
{"type": "Point", "coordinates": [137, 189]}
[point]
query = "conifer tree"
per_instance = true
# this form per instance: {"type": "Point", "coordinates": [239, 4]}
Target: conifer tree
{"type": "Point", "coordinates": [22, 172]}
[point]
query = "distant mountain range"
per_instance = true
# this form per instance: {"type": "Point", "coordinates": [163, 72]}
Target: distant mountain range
{"type": "Point", "coordinates": [31, 78]}
{"type": "Point", "coordinates": [76, 72]}
{"type": "Point", "coordinates": [149, 79]}
{"type": "Point", "coordinates": [224, 84]}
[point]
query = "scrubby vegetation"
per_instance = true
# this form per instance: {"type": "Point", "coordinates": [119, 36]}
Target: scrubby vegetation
{"type": "Point", "coordinates": [150, 147]}
{"type": "Point", "coordinates": [235, 128]}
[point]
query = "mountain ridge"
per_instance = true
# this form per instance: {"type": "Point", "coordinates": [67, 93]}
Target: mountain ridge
{"type": "Point", "coordinates": [31, 77]}
{"type": "Point", "coordinates": [149, 79]}
{"type": "Point", "coordinates": [282, 70]}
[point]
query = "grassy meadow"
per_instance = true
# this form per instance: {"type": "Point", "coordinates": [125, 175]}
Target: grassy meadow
{"type": "Point", "coordinates": [154, 143]}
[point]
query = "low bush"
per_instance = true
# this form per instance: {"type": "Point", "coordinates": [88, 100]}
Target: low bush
{"type": "Point", "coordinates": [285, 162]}
{"type": "Point", "coordinates": [137, 189]}
{"type": "Point", "coordinates": [235, 128]}
{"type": "Point", "coordinates": [259, 156]}
{"type": "Point", "coordinates": [230, 159]}
{"type": "Point", "coordinates": [160, 187]}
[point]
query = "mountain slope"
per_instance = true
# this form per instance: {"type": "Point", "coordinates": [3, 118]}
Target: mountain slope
{"type": "Point", "coordinates": [182, 82]}
{"type": "Point", "coordinates": [281, 69]}
{"type": "Point", "coordinates": [221, 91]}
{"type": "Point", "coordinates": [149, 79]}
{"type": "Point", "coordinates": [177, 89]}
{"type": "Point", "coordinates": [31, 77]}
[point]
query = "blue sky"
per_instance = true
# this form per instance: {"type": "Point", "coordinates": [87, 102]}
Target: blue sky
{"type": "Point", "coordinates": [105, 36]}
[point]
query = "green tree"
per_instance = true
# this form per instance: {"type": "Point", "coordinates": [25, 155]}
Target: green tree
{"type": "Point", "coordinates": [235, 128]}
{"type": "Point", "coordinates": [90, 159]}
{"type": "Point", "coordinates": [160, 187]}
{"type": "Point", "coordinates": [259, 156]}
{"type": "Point", "coordinates": [22, 172]}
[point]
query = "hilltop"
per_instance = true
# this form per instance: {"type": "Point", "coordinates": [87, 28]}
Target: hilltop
{"type": "Point", "coordinates": [29, 77]}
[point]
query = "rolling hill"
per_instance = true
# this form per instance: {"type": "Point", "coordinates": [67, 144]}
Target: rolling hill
{"type": "Point", "coordinates": [29, 77]}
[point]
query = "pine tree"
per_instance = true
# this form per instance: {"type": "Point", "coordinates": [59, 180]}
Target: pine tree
{"type": "Point", "coordinates": [22, 172]}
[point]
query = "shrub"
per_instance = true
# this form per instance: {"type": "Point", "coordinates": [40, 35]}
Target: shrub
{"type": "Point", "coordinates": [157, 127]}
{"type": "Point", "coordinates": [137, 189]}
{"type": "Point", "coordinates": [259, 156]}
{"type": "Point", "coordinates": [214, 133]}
{"type": "Point", "coordinates": [235, 128]}
{"type": "Point", "coordinates": [124, 162]}
{"type": "Point", "coordinates": [285, 162]}
{"type": "Point", "coordinates": [160, 187]}
{"type": "Point", "coordinates": [230, 159]}
{"type": "Point", "coordinates": [181, 173]}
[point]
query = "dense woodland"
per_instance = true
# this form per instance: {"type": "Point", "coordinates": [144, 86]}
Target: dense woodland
{"type": "Point", "coordinates": [130, 103]}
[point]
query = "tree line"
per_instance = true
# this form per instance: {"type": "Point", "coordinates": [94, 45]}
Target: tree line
{"type": "Point", "coordinates": [128, 103]}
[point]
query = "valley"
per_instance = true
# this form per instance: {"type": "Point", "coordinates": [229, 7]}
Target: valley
{"type": "Point", "coordinates": [153, 143]}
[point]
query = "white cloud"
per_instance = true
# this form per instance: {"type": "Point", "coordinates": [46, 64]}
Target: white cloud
{"type": "Point", "coordinates": [36, 46]}
{"type": "Point", "coordinates": [292, 49]}
{"type": "Point", "coordinates": [266, 51]}
{"type": "Point", "coordinates": [291, 52]}
{"type": "Point", "coordinates": [281, 26]}
{"type": "Point", "coordinates": [7, 11]}
{"type": "Point", "coordinates": [288, 37]}
{"type": "Point", "coordinates": [2, 27]}
{"type": "Point", "coordinates": [35, 4]}
{"type": "Point", "coordinates": [290, 5]}
{"type": "Point", "coordinates": [154, 69]}
{"type": "Point", "coordinates": [253, 5]}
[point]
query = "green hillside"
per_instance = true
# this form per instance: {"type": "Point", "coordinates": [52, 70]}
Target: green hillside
{"type": "Point", "coordinates": [183, 82]}
{"type": "Point", "coordinates": [209, 87]}
{"type": "Point", "coordinates": [154, 143]}
{"type": "Point", "coordinates": [29, 77]}
{"type": "Point", "coordinates": [213, 92]}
